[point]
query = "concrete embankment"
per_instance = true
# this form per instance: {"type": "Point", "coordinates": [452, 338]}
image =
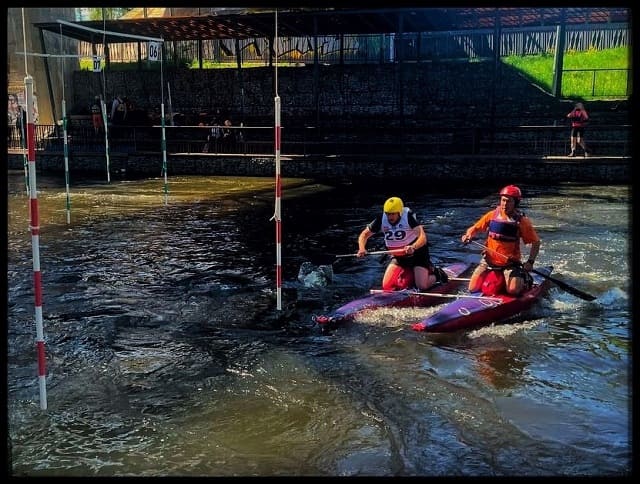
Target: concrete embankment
{"type": "Point", "coordinates": [454, 168]}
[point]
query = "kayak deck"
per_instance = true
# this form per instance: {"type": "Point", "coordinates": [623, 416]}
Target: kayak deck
{"type": "Point", "coordinates": [405, 298]}
{"type": "Point", "coordinates": [466, 313]}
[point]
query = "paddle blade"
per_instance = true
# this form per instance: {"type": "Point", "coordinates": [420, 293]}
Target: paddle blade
{"type": "Point", "coordinates": [563, 285]}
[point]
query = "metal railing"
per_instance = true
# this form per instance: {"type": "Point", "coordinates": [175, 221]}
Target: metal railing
{"type": "Point", "coordinates": [548, 140]}
{"type": "Point", "coordinates": [601, 80]}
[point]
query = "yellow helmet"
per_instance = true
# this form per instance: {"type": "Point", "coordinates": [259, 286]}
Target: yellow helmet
{"type": "Point", "coordinates": [393, 205]}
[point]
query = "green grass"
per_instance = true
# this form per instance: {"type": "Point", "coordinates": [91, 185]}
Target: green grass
{"type": "Point", "coordinates": [587, 75]}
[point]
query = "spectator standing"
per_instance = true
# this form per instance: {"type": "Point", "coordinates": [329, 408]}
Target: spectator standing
{"type": "Point", "coordinates": [214, 137]}
{"type": "Point", "coordinates": [228, 140]}
{"type": "Point", "coordinates": [9, 128]}
{"type": "Point", "coordinates": [21, 119]}
{"type": "Point", "coordinates": [12, 111]}
{"type": "Point", "coordinates": [579, 119]}
{"type": "Point", "coordinates": [118, 110]}
{"type": "Point", "coordinates": [21, 125]}
{"type": "Point", "coordinates": [96, 116]}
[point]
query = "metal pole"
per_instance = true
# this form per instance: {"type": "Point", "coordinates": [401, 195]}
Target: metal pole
{"type": "Point", "coordinates": [278, 206]}
{"type": "Point", "coordinates": [105, 120]}
{"type": "Point", "coordinates": [164, 156]}
{"type": "Point", "coordinates": [66, 158]}
{"type": "Point", "coordinates": [34, 226]}
{"type": "Point", "coordinates": [558, 60]}
{"type": "Point", "coordinates": [276, 215]}
{"type": "Point", "coordinates": [162, 123]}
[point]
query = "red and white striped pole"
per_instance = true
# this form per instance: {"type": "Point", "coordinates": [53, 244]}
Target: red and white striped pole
{"type": "Point", "coordinates": [34, 226]}
{"type": "Point", "coordinates": [276, 216]}
{"type": "Point", "coordinates": [277, 210]}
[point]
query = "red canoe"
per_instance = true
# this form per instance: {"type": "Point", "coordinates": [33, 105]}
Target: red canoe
{"type": "Point", "coordinates": [405, 298]}
{"type": "Point", "coordinates": [468, 313]}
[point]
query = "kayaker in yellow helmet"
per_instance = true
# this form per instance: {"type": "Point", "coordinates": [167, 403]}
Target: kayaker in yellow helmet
{"type": "Point", "coordinates": [505, 226]}
{"type": "Point", "coordinates": [402, 232]}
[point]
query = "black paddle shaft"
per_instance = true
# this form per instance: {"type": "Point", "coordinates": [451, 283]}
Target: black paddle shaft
{"type": "Point", "coordinates": [566, 287]}
{"type": "Point", "coordinates": [561, 284]}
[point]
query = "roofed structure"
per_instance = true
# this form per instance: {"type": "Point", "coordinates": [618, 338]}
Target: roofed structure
{"type": "Point", "coordinates": [252, 23]}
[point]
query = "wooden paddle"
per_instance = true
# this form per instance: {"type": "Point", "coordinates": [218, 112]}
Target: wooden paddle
{"type": "Point", "coordinates": [561, 284]}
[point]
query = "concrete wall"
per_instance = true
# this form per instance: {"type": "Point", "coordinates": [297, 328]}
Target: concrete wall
{"type": "Point", "coordinates": [425, 94]}
{"type": "Point", "coordinates": [452, 168]}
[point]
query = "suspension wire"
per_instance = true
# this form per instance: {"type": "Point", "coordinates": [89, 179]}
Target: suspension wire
{"type": "Point", "coordinates": [23, 128]}
{"type": "Point", "coordinates": [65, 136]}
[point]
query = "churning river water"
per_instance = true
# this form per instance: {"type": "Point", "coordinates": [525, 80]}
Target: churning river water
{"type": "Point", "coordinates": [166, 355]}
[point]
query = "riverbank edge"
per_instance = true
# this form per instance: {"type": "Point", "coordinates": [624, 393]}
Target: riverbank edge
{"type": "Point", "coordinates": [342, 168]}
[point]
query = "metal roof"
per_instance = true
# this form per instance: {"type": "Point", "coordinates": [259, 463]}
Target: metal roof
{"type": "Point", "coordinates": [331, 21]}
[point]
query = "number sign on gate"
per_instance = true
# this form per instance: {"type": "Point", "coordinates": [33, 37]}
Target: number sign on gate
{"type": "Point", "coordinates": [153, 51]}
{"type": "Point", "coordinates": [97, 64]}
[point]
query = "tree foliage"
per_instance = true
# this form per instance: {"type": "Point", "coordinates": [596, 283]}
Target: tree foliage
{"type": "Point", "coordinates": [110, 13]}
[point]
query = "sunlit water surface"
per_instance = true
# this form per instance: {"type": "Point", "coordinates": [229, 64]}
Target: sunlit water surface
{"type": "Point", "coordinates": [162, 357]}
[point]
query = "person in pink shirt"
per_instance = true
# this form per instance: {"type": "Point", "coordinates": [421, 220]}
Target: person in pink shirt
{"type": "Point", "coordinates": [579, 119]}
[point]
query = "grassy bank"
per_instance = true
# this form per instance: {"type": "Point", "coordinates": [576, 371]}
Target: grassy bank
{"type": "Point", "coordinates": [587, 75]}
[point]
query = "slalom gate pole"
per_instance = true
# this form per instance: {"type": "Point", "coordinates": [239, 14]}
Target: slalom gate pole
{"type": "Point", "coordinates": [277, 214]}
{"type": "Point", "coordinates": [162, 123]}
{"type": "Point", "coordinates": [278, 206]}
{"type": "Point", "coordinates": [164, 155]}
{"type": "Point", "coordinates": [105, 121]}
{"type": "Point", "coordinates": [104, 103]}
{"type": "Point", "coordinates": [34, 226]}
{"type": "Point", "coordinates": [65, 137]}
{"type": "Point", "coordinates": [66, 158]}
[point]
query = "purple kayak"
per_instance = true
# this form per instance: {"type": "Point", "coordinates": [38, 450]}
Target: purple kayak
{"type": "Point", "coordinates": [404, 298]}
{"type": "Point", "coordinates": [476, 311]}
